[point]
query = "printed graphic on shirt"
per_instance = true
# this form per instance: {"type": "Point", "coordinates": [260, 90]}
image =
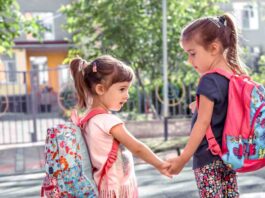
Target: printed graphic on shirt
{"type": "Point", "coordinates": [125, 160]}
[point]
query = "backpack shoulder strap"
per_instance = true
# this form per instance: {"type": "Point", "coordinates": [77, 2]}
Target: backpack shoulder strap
{"type": "Point", "coordinates": [112, 156]}
{"type": "Point", "coordinates": [90, 115]}
{"type": "Point", "coordinates": [81, 121]}
{"type": "Point", "coordinates": [213, 144]}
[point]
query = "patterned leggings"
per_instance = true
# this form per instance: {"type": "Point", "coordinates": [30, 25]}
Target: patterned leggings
{"type": "Point", "coordinates": [216, 180]}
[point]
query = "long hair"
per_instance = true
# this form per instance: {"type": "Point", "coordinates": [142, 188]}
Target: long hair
{"type": "Point", "coordinates": [208, 29]}
{"type": "Point", "coordinates": [105, 69]}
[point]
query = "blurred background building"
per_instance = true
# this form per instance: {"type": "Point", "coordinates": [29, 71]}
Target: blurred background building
{"type": "Point", "coordinates": [250, 17]}
{"type": "Point", "coordinates": [32, 54]}
{"type": "Point", "coordinates": [34, 81]}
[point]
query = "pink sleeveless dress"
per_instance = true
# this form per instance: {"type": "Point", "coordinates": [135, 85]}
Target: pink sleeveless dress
{"type": "Point", "coordinates": [120, 181]}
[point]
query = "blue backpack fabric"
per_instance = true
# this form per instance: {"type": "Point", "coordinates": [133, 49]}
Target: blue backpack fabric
{"type": "Point", "coordinates": [67, 162]}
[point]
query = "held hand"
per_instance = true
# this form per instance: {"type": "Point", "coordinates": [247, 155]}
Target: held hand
{"type": "Point", "coordinates": [177, 164]}
{"type": "Point", "coordinates": [164, 169]}
{"type": "Point", "coordinates": [192, 106]}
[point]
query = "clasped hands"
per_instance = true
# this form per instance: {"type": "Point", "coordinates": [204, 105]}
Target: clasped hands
{"type": "Point", "coordinates": [172, 166]}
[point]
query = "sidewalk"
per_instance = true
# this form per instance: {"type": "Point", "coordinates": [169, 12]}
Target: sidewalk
{"type": "Point", "coordinates": [151, 183]}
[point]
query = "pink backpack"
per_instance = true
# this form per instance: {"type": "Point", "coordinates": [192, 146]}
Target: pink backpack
{"type": "Point", "coordinates": [243, 142]}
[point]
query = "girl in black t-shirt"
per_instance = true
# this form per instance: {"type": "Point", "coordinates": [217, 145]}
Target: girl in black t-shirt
{"type": "Point", "coordinates": [211, 43]}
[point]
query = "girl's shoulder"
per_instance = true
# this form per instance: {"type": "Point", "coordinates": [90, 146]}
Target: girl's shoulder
{"type": "Point", "coordinates": [105, 121]}
{"type": "Point", "coordinates": [213, 85]}
{"type": "Point", "coordinates": [214, 78]}
{"type": "Point", "coordinates": [106, 117]}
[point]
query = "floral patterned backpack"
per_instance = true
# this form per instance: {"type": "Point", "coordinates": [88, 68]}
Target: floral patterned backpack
{"type": "Point", "coordinates": [243, 143]}
{"type": "Point", "coordinates": [67, 162]}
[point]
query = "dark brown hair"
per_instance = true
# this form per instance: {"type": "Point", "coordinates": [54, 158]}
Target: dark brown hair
{"type": "Point", "coordinates": [209, 29]}
{"type": "Point", "coordinates": [105, 69]}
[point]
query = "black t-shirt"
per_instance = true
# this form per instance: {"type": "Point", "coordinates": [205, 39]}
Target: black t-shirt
{"type": "Point", "coordinates": [215, 88]}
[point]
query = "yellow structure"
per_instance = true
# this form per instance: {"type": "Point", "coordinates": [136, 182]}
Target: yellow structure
{"type": "Point", "coordinates": [8, 88]}
{"type": "Point", "coordinates": [54, 59]}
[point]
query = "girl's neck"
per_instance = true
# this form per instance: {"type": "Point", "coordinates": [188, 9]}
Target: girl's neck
{"type": "Point", "coordinates": [97, 104]}
{"type": "Point", "coordinates": [220, 62]}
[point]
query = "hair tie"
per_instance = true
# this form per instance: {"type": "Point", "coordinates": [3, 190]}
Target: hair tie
{"type": "Point", "coordinates": [222, 20]}
{"type": "Point", "coordinates": [218, 21]}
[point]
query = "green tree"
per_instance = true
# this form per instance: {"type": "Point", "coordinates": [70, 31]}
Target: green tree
{"type": "Point", "coordinates": [132, 30]}
{"type": "Point", "coordinates": [13, 24]}
{"type": "Point", "coordinates": [259, 76]}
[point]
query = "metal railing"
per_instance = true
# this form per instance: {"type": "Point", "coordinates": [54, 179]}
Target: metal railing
{"type": "Point", "coordinates": [32, 101]}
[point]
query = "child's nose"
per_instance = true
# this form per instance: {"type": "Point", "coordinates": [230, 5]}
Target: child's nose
{"type": "Point", "coordinates": [127, 96]}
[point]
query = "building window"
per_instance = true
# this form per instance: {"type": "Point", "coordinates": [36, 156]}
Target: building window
{"type": "Point", "coordinates": [250, 20]}
{"type": "Point", "coordinates": [39, 67]}
{"type": "Point", "coordinates": [64, 75]}
{"type": "Point", "coordinates": [10, 74]}
{"type": "Point", "coordinates": [9, 69]}
{"type": "Point", "coordinates": [47, 20]}
{"type": "Point", "coordinates": [247, 15]}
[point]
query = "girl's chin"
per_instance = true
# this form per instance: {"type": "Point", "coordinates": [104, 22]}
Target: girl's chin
{"type": "Point", "coordinates": [115, 109]}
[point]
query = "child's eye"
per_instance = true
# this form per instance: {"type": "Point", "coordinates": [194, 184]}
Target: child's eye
{"type": "Point", "coordinates": [193, 54]}
{"type": "Point", "coordinates": [122, 89]}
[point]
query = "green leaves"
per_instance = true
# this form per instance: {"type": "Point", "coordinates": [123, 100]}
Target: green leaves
{"type": "Point", "coordinates": [13, 24]}
{"type": "Point", "coordinates": [132, 31]}
{"type": "Point", "coordinates": [259, 76]}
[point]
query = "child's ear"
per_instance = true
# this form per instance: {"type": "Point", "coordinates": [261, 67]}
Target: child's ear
{"type": "Point", "coordinates": [100, 89]}
{"type": "Point", "coordinates": [215, 48]}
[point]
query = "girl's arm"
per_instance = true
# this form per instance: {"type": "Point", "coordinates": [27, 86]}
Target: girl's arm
{"type": "Point", "coordinates": [138, 148]}
{"type": "Point", "coordinates": [198, 132]}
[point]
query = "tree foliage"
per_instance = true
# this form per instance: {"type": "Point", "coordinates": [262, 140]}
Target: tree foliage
{"type": "Point", "coordinates": [132, 31]}
{"type": "Point", "coordinates": [13, 24]}
{"type": "Point", "coordinates": [259, 76]}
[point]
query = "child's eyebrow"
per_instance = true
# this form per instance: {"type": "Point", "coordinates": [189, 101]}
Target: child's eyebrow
{"type": "Point", "coordinates": [124, 86]}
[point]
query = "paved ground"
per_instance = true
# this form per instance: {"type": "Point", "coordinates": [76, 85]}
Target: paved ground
{"type": "Point", "coordinates": [151, 183]}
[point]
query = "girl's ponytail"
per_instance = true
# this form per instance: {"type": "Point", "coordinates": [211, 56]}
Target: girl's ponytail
{"type": "Point", "coordinates": [232, 56]}
{"type": "Point", "coordinates": [77, 71]}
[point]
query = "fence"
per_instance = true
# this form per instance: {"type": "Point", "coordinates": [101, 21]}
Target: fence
{"type": "Point", "coordinates": [30, 101]}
